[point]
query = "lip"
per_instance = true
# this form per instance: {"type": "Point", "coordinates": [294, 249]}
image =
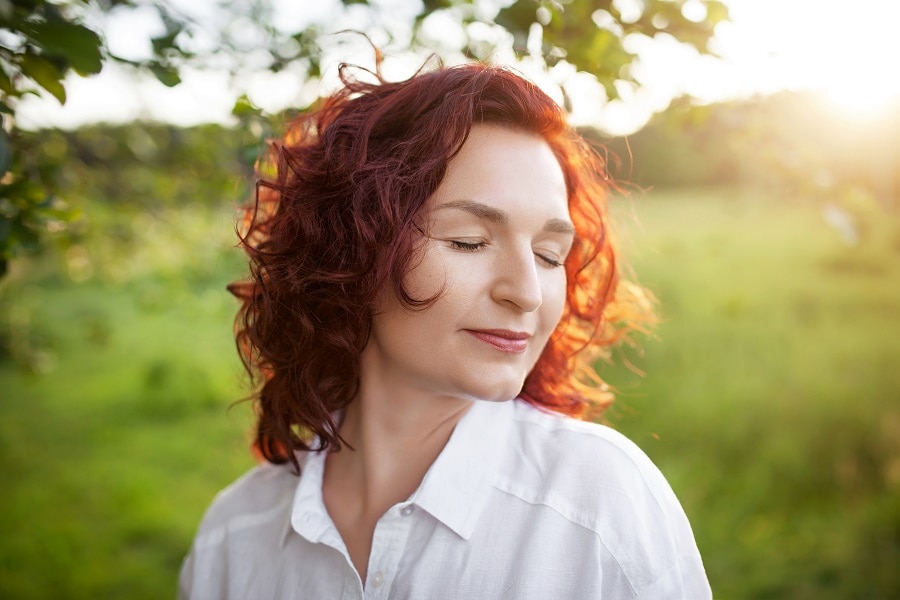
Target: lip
{"type": "Point", "coordinates": [504, 340]}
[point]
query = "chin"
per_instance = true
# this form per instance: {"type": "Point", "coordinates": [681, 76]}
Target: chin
{"type": "Point", "coordinates": [499, 392]}
{"type": "Point", "coordinates": [487, 383]}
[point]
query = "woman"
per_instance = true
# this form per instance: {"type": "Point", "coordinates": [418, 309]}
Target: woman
{"type": "Point", "coordinates": [432, 283]}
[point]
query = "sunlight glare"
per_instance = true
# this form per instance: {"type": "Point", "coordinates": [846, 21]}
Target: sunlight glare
{"type": "Point", "coordinates": [844, 50]}
{"type": "Point", "coordinates": [865, 97]}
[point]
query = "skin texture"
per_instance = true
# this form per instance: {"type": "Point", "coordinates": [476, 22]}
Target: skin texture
{"type": "Point", "coordinates": [494, 235]}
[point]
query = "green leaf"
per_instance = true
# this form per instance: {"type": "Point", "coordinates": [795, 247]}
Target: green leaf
{"type": "Point", "coordinates": [166, 75]}
{"type": "Point", "coordinates": [165, 42]}
{"type": "Point", "coordinates": [243, 107]}
{"type": "Point", "coordinates": [80, 46]}
{"type": "Point", "coordinates": [430, 5]}
{"type": "Point", "coordinates": [7, 10]}
{"type": "Point", "coordinates": [517, 18]}
{"type": "Point", "coordinates": [716, 12]}
{"type": "Point", "coordinates": [6, 85]}
{"type": "Point", "coordinates": [6, 152]}
{"type": "Point", "coordinates": [45, 73]}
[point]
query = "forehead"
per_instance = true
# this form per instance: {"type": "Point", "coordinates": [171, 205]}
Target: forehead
{"type": "Point", "coordinates": [513, 171]}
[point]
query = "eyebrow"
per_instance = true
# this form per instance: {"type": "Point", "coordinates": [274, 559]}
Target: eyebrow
{"type": "Point", "coordinates": [495, 215]}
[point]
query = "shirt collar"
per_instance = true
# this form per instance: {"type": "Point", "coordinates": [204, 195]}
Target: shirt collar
{"type": "Point", "coordinates": [308, 515]}
{"type": "Point", "coordinates": [454, 490]}
{"type": "Point", "coordinates": [456, 487]}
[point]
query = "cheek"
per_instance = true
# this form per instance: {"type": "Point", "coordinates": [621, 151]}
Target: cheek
{"type": "Point", "coordinates": [554, 303]}
{"type": "Point", "coordinates": [427, 276]}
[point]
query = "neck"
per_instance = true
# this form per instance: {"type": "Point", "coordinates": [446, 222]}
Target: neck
{"type": "Point", "coordinates": [395, 438]}
{"type": "Point", "coordinates": [396, 433]}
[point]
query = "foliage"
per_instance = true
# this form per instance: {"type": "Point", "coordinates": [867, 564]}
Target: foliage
{"type": "Point", "coordinates": [42, 45]}
{"type": "Point", "coordinates": [590, 35]}
{"type": "Point", "coordinates": [41, 42]}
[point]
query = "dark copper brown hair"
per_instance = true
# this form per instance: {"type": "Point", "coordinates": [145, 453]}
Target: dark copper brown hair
{"type": "Point", "coordinates": [334, 220]}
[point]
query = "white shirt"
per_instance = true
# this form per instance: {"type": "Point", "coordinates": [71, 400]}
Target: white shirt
{"type": "Point", "coordinates": [520, 504]}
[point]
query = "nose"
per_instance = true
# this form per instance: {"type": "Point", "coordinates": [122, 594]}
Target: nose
{"type": "Point", "coordinates": [516, 280]}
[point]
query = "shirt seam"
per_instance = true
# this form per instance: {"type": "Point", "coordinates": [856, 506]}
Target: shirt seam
{"type": "Point", "coordinates": [240, 523]}
{"type": "Point", "coordinates": [537, 501]}
{"type": "Point", "coordinates": [560, 423]}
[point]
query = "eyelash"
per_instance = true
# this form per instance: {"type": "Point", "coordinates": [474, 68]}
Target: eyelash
{"type": "Point", "coordinates": [555, 264]}
{"type": "Point", "coordinates": [467, 246]}
{"type": "Point", "coordinates": [475, 247]}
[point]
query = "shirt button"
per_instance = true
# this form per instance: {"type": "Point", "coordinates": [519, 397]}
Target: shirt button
{"type": "Point", "coordinates": [407, 510]}
{"type": "Point", "coordinates": [378, 579]}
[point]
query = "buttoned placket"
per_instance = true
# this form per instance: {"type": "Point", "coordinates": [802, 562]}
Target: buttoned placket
{"type": "Point", "coordinates": [465, 470]}
{"type": "Point", "coordinates": [388, 545]}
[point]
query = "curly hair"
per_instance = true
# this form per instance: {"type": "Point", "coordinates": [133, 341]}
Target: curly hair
{"type": "Point", "coordinates": [334, 220]}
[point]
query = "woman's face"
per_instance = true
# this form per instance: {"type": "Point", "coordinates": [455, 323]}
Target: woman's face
{"type": "Point", "coordinates": [495, 234]}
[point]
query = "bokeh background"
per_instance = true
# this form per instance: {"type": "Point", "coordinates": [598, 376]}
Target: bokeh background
{"type": "Point", "coordinates": [762, 211]}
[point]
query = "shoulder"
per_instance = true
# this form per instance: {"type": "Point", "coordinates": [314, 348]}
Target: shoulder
{"type": "Point", "coordinates": [589, 473]}
{"type": "Point", "coordinates": [546, 423]}
{"type": "Point", "coordinates": [239, 535]}
{"type": "Point", "coordinates": [598, 480]}
{"type": "Point", "coordinates": [596, 453]}
{"type": "Point", "coordinates": [262, 495]}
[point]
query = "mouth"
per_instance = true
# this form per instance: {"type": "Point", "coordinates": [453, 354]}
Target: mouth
{"type": "Point", "coordinates": [504, 340]}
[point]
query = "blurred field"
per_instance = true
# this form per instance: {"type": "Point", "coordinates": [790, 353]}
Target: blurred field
{"type": "Point", "coordinates": [772, 394]}
{"type": "Point", "coordinates": [771, 400]}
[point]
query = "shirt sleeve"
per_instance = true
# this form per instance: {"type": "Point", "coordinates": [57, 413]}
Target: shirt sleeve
{"type": "Point", "coordinates": [683, 581]}
{"type": "Point", "coordinates": [685, 578]}
{"type": "Point", "coordinates": [186, 577]}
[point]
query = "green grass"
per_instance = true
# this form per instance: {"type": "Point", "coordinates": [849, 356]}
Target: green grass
{"type": "Point", "coordinates": [772, 394]}
{"type": "Point", "coordinates": [771, 400]}
{"type": "Point", "coordinates": [114, 429]}
{"type": "Point", "coordinates": [113, 453]}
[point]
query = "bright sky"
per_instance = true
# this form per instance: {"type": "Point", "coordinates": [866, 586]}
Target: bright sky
{"type": "Point", "coordinates": [847, 50]}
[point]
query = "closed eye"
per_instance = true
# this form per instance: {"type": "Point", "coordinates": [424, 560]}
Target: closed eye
{"type": "Point", "coordinates": [549, 261]}
{"type": "Point", "coordinates": [467, 246]}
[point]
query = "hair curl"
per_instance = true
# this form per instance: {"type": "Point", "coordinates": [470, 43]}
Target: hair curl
{"type": "Point", "coordinates": [333, 222]}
